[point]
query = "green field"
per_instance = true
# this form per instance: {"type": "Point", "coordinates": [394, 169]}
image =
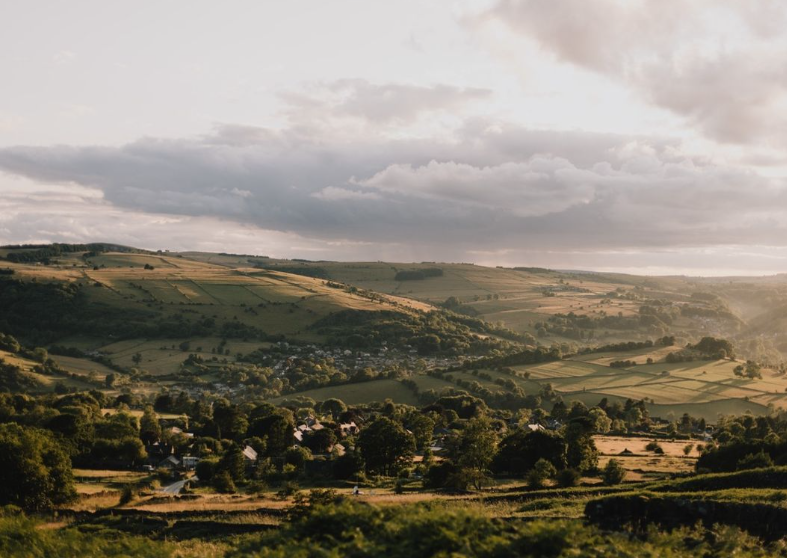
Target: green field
{"type": "Point", "coordinates": [704, 389]}
{"type": "Point", "coordinates": [354, 394]}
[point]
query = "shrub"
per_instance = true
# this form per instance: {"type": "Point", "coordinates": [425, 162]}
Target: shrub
{"type": "Point", "coordinates": [755, 461]}
{"type": "Point", "coordinates": [655, 447]}
{"type": "Point", "coordinates": [288, 489]}
{"type": "Point", "coordinates": [127, 494]}
{"type": "Point", "coordinates": [568, 478]}
{"type": "Point", "coordinates": [613, 473]}
{"type": "Point", "coordinates": [223, 483]}
{"type": "Point", "coordinates": [539, 474]}
{"type": "Point", "coordinates": [205, 469]}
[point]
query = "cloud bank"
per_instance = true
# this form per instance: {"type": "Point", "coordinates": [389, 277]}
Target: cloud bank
{"type": "Point", "coordinates": [488, 188]}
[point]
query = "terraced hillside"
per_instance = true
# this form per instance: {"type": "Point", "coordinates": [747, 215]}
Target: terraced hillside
{"type": "Point", "coordinates": [163, 286]}
{"type": "Point", "coordinates": [550, 305]}
{"type": "Point", "coordinates": [582, 307]}
{"type": "Point", "coordinates": [150, 311]}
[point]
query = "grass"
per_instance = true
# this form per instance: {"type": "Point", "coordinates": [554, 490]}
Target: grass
{"type": "Point", "coordinates": [354, 394]}
{"type": "Point", "coordinates": [275, 302]}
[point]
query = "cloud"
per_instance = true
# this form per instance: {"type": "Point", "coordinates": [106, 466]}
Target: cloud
{"type": "Point", "coordinates": [718, 63]}
{"type": "Point", "coordinates": [490, 188]}
{"type": "Point", "coordinates": [527, 188]}
{"type": "Point", "coordinates": [378, 103]}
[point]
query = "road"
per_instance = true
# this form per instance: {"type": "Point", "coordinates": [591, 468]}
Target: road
{"type": "Point", "coordinates": [176, 487]}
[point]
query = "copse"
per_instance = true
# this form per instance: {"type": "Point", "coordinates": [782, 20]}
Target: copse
{"type": "Point", "coordinates": [35, 469]}
{"type": "Point", "coordinates": [714, 348]}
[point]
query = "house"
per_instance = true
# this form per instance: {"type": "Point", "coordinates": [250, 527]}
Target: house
{"type": "Point", "coordinates": [157, 452]}
{"type": "Point", "coordinates": [348, 429]}
{"type": "Point", "coordinates": [170, 462]}
{"type": "Point", "coordinates": [190, 461]}
{"type": "Point", "coordinates": [535, 427]}
{"type": "Point", "coordinates": [250, 455]}
{"type": "Point", "coordinates": [338, 450]}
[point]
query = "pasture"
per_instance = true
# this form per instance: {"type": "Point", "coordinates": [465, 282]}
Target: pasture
{"type": "Point", "coordinates": [704, 389]}
{"type": "Point", "coordinates": [354, 394]}
{"type": "Point", "coordinates": [516, 298]}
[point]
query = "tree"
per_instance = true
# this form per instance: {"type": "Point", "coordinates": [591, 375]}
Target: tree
{"type": "Point", "coordinates": [582, 453]}
{"type": "Point", "coordinates": [755, 461]}
{"type": "Point", "coordinates": [613, 473]}
{"type": "Point", "coordinates": [519, 451]}
{"type": "Point", "coordinates": [36, 471]}
{"type": "Point", "coordinates": [473, 450]}
{"type": "Point", "coordinates": [335, 407]}
{"type": "Point", "coordinates": [422, 428]}
{"type": "Point", "coordinates": [602, 422]}
{"type": "Point", "coordinates": [137, 359]}
{"type": "Point", "coordinates": [386, 446]}
{"type": "Point", "coordinates": [149, 427]}
{"type": "Point", "coordinates": [297, 457]}
{"type": "Point", "coordinates": [231, 421]}
{"type": "Point", "coordinates": [277, 431]}
{"type": "Point", "coordinates": [320, 441]}
{"type": "Point", "coordinates": [233, 463]}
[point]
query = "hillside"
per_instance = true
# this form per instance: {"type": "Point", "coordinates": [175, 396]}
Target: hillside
{"type": "Point", "coordinates": [202, 321]}
{"type": "Point", "coordinates": [133, 309]}
{"type": "Point", "coordinates": [572, 306]}
{"type": "Point", "coordinates": [148, 289]}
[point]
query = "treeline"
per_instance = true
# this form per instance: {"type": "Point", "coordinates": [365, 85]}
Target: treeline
{"type": "Point", "coordinates": [303, 270]}
{"type": "Point", "coordinates": [31, 253]}
{"type": "Point", "coordinates": [746, 442]}
{"type": "Point", "coordinates": [429, 334]}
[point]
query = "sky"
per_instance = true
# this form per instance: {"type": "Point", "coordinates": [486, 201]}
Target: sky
{"type": "Point", "coordinates": [643, 136]}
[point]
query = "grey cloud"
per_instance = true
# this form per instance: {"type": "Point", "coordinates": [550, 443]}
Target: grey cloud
{"type": "Point", "coordinates": [491, 188]}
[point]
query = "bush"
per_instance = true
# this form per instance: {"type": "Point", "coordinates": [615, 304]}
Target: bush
{"type": "Point", "coordinates": [613, 473]}
{"type": "Point", "coordinates": [540, 473]}
{"type": "Point", "coordinates": [655, 447]}
{"type": "Point", "coordinates": [755, 461]}
{"type": "Point", "coordinates": [127, 494]}
{"type": "Point", "coordinates": [288, 489]}
{"type": "Point", "coordinates": [568, 478]}
{"type": "Point", "coordinates": [223, 483]}
{"type": "Point", "coordinates": [206, 469]}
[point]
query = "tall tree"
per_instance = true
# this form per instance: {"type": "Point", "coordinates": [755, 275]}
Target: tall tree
{"type": "Point", "coordinates": [473, 450]}
{"type": "Point", "coordinates": [386, 446]}
{"type": "Point", "coordinates": [149, 427]}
